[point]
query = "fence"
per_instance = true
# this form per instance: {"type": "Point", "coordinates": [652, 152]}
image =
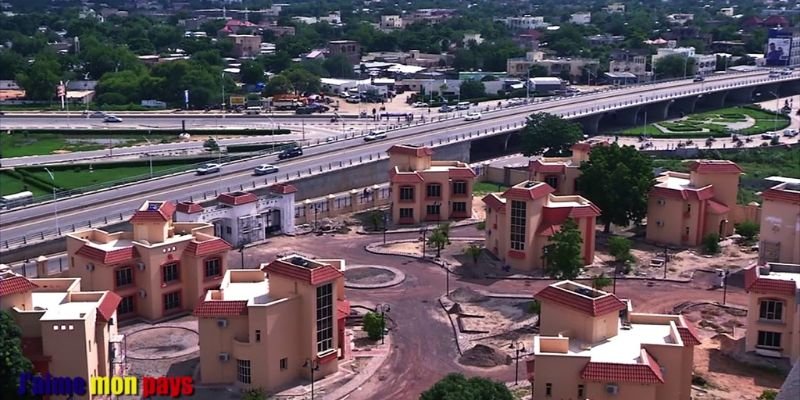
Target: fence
{"type": "Point", "coordinates": [330, 206]}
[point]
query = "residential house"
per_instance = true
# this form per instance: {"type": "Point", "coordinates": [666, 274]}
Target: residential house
{"type": "Point", "coordinates": [520, 222]}
{"type": "Point", "coordinates": [780, 220]}
{"type": "Point", "coordinates": [246, 45]}
{"type": "Point", "coordinates": [562, 173]}
{"type": "Point", "coordinates": [773, 319]}
{"type": "Point", "coordinates": [237, 27]}
{"type": "Point", "coordinates": [159, 269]}
{"type": "Point", "coordinates": [350, 49]}
{"type": "Point", "coordinates": [581, 18]}
{"type": "Point", "coordinates": [391, 22]}
{"type": "Point", "coordinates": [629, 61]}
{"type": "Point", "coordinates": [267, 332]}
{"type": "Point", "coordinates": [525, 22]}
{"type": "Point", "coordinates": [615, 8]}
{"type": "Point", "coordinates": [591, 345]}
{"type": "Point", "coordinates": [426, 190]}
{"type": "Point", "coordinates": [683, 208]}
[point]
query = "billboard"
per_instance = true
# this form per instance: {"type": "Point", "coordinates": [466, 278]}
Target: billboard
{"type": "Point", "coordinates": [779, 48]}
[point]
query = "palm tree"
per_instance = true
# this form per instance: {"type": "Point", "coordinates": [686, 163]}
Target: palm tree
{"type": "Point", "coordinates": [437, 240]}
{"type": "Point", "coordinates": [474, 251]}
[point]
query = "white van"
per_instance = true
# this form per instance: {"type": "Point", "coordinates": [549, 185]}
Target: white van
{"type": "Point", "coordinates": [464, 105]}
{"type": "Point", "coordinates": [253, 110]}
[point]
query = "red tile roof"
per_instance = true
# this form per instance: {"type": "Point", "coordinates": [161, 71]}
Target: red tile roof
{"type": "Point", "coordinates": [187, 207]}
{"type": "Point", "coordinates": [779, 194]}
{"type": "Point", "coordinates": [415, 151]}
{"type": "Point", "coordinates": [206, 247]}
{"type": "Point", "coordinates": [537, 191]}
{"type": "Point", "coordinates": [108, 257]}
{"type": "Point", "coordinates": [703, 193]}
{"type": "Point", "coordinates": [237, 198]}
{"type": "Point", "coordinates": [602, 305]}
{"type": "Point", "coordinates": [493, 202]}
{"type": "Point", "coordinates": [312, 276]}
{"type": "Point", "coordinates": [282, 188]}
{"type": "Point", "coordinates": [554, 217]}
{"type": "Point", "coordinates": [108, 305]}
{"type": "Point", "coordinates": [714, 167]}
{"type": "Point", "coordinates": [15, 284]}
{"type": "Point", "coordinates": [220, 308]}
{"type": "Point", "coordinates": [716, 207]}
{"type": "Point", "coordinates": [342, 309]}
{"type": "Point", "coordinates": [546, 168]}
{"type": "Point", "coordinates": [162, 214]}
{"type": "Point", "coordinates": [647, 372]}
{"type": "Point", "coordinates": [461, 173]}
{"type": "Point", "coordinates": [688, 334]}
{"type": "Point", "coordinates": [754, 282]}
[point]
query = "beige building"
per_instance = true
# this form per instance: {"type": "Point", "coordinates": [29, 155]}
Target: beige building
{"type": "Point", "coordinates": [773, 320]}
{"type": "Point", "coordinates": [65, 331]}
{"type": "Point", "coordinates": [591, 346]}
{"type": "Point", "coordinates": [259, 332]}
{"type": "Point", "coordinates": [520, 221]}
{"type": "Point", "coordinates": [160, 269]}
{"type": "Point", "coordinates": [561, 173]}
{"type": "Point", "coordinates": [350, 49]}
{"type": "Point", "coordinates": [780, 224]}
{"type": "Point", "coordinates": [683, 208]}
{"type": "Point", "coordinates": [425, 190]}
{"type": "Point", "coordinates": [246, 45]}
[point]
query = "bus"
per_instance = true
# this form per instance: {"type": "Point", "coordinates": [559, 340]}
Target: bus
{"type": "Point", "coordinates": [15, 200]}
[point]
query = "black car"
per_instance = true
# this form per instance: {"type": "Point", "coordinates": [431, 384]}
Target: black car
{"type": "Point", "coordinates": [305, 110]}
{"type": "Point", "coordinates": [290, 153]}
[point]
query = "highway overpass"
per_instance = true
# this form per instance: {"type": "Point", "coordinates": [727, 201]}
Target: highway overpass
{"type": "Point", "coordinates": [37, 222]}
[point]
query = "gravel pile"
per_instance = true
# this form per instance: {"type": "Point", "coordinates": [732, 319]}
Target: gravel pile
{"type": "Point", "coordinates": [485, 357]}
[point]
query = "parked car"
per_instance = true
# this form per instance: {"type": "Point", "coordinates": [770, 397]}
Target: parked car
{"type": "Point", "coordinates": [419, 104]}
{"type": "Point", "coordinates": [472, 116]}
{"type": "Point", "coordinates": [290, 152]}
{"type": "Point", "coordinates": [375, 135]}
{"type": "Point", "coordinates": [208, 168]}
{"type": "Point", "coordinates": [265, 169]}
{"type": "Point", "coordinates": [766, 136]}
{"type": "Point", "coordinates": [353, 99]}
{"type": "Point", "coordinates": [112, 118]}
{"type": "Point", "coordinates": [790, 133]}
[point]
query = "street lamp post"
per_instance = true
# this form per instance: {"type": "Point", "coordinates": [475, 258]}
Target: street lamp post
{"type": "Point", "coordinates": [385, 222]}
{"type": "Point", "coordinates": [55, 202]}
{"type": "Point", "coordinates": [150, 156]}
{"type": "Point", "coordinates": [222, 85]}
{"type": "Point", "coordinates": [312, 365]}
{"type": "Point", "coordinates": [424, 231]}
{"type": "Point", "coordinates": [383, 308]}
{"type": "Point", "coordinates": [518, 347]}
{"type": "Point", "coordinates": [241, 252]}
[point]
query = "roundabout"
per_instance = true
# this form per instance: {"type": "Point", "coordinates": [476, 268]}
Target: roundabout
{"type": "Point", "coordinates": [372, 277]}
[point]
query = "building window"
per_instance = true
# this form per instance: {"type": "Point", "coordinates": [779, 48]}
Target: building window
{"type": "Point", "coordinates": [548, 389]}
{"type": "Point", "coordinates": [688, 208]}
{"type": "Point", "coordinates": [459, 187]}
{"type": "Point", "coordinates": [406, 193]}
{"type": "Point", "coordinates": [169, 273]}
{"type": "Point", "coordinates": [686, 231]}
{"type": "Point", "coordinates": [769, 339]}
{"type": "Point", "coordinates": [580, 391]}
{"type": "Point", "coordinates": [258, 335]}
{"type": "Point", "coordinates": [434, 190]}
{"type": "Point", "coordinates": [459, 207]}
{"type": "Point", "coordinates": [125, 305]}
{"type": "Point", "coordinates": [771, 310]}
{"type": "Point", "coordinates": [228, 230]}
{"type": "Point", "coordinates": [123, 277]}
{"type": "Point", "coordinates": [432, 209]}
{"type": "Point", "coordinates": [172, 301]}
{"type": "Point", "coordinates": [213, 267]}
{"type": "Point", "coordinates": [243, 371]}
{"type": "Point", "coordinates": [551, 180]}
{"type": "Point", "coordinates": [518, 220]}
{"type": "Point", "coordinates": [406, 213]}
{"type": "Point", "coordinates": [324, 318]}
{"type": "Point", "coordinates": [284, 363]}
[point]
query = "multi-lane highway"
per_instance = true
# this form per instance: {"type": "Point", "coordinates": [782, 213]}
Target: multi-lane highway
{"type": "Point", "coordinates": [37, 218]}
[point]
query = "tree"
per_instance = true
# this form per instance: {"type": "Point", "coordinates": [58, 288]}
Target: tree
{"type": "Point", "coordinates": [472, 89]}
{"type": "Point", "coordinates": [11, 63]}
{"type": "Point", "coordinates": [617, 180]}
{"type": "Point", "coordinates": [376, 218]}
{"type": "Point", "coordinates": [252, 72]}
{"type": "Point", "coordinates": [711, 243]}
{"type": "Point", "coordinates": [438, 240]}
{"type": "Point", "coordinates": [278, 84]}
{"type": "Point", "coordinates": [748, 230]}
{"type": "Point", "coordinates": [40, 79]}
{"type": "Point", "coordinates": [563, 255]}
{"type": "Point", "coordinates": [338, 67]}
{"type": "Point", "coordinates": [620, 248]}
{"type": "Point", "coordinates": [374, 324]}
{"type": "Point", "coordinates": [456, 386]}
{"type": "Point", "coordinates": [12, 362]}
{"type": "Point", "coordinates": [601, 281]}
{"type": "Point", "coordinates": [538, 70]}
{"type": "Point", "coordinates": [674, 66]}
{"type": "Point", "coordinates": [549, 134]}
{"type": "Point", "coordinates": [211, 144]}
{"type": "Point", "coordinates": [473, 251]}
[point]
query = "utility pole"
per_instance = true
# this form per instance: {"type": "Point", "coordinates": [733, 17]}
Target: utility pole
{"type": "Point", "coordinates": [312, 365]}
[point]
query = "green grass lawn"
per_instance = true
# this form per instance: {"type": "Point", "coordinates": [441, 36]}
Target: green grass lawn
{"type": "Point", "coordinates": [80, 177]}
{"type": "Point", "coordinates": [484, 188]}
{"type": "Point", "coordinates": [714, 123]}
{"type": "Point", "coordinates": [20, 144]}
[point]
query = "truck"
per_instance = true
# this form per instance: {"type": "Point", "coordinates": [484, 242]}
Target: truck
{"type": "Point", "coordinates": [287, 102]}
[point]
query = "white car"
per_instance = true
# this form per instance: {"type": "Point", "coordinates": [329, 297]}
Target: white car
{"type": "Point", "coordinates": [265, 169]}
{"type": "Point", "coordinates": [419, 104]}
{"type": "Point", "coordinates": [112, 118]}
{"type": "Point", "coordinates": [473, 116]}
{"type": "Point", "coordinates": [790, 133]}
{"type": "Point", "coordinates": [209, 168]}
{"type": "Point", "coordinates": [375, 135]}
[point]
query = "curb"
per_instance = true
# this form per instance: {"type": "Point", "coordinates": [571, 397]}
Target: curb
{"type": "Point", "coordinates": [467, 222]}
{"type": "Point", "coordinates": [399, 277]}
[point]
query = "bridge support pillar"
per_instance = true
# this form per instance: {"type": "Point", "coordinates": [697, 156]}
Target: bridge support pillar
{"type": "Point", "coordinates": [657, 111]}
{"type": "Point", "coordinates": [628, 116]}
{"type": "Point", "coordinates": [590, 123]}
{"type": "Point", "coordinates": [713, 100]}
{"type": "Point", "coordinates": [743, 95]}
{"type": "Point", "coordinates": [683, 106]}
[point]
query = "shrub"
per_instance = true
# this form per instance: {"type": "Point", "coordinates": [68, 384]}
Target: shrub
{"type": "Point", "coordinates": [711, 243]}
{"type": "Point", "coordinates": [374, 325]}
{"type": "Point", "coordinates": [768, 394]}
{"type": "Point", "coordinates": [601, 282]}
{"type": "Point", "coordinates": [748, 230]}
{"type": "Point", "coordinates": [620, 248]}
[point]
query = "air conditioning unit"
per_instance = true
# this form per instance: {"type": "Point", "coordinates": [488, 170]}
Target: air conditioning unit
{"type": "Point", "coordinates": [90, 267]}
{"type": "Point", "coordinates": [659, 223]}
{"type": "Point", "coordinates": [222, 323]}
{"type": "Point", "coordinates": [140, 265]}
{"type": "Point", "coordinates": [224, 357]}
{"type": "Point", "coordinates": [142, 293]}
{"type": "Point", "coordinates": [612, 389]}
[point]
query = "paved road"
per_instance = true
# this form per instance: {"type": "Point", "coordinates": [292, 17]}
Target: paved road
{"type": "Point", "coordinates": [37, 218]}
